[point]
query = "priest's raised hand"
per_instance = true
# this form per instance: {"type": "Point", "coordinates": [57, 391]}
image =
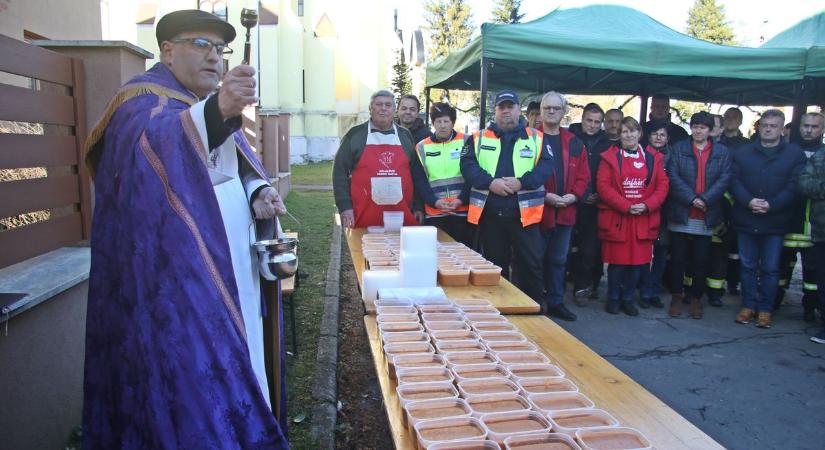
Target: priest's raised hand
{"type": "Point", "coordinates": [268, 204]}
{"type": "Point", "coordinates": [237, 91]}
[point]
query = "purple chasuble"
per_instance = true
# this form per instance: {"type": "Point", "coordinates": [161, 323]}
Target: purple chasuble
{"type": "Point", "coordinates": [167, 365]}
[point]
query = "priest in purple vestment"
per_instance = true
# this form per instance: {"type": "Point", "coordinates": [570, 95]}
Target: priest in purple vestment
{"type": "Point", "coordinates": [174, 334]}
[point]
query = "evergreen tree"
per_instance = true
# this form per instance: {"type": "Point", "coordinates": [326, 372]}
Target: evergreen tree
{"type": "Point", "coordinates": [450, 23]}
{"type": "Point", "coordinates": [507, 11]}
{"type": "Point", "coordinates": [401, 81]}
{"type": "Point", "coordinates": [707, 21]}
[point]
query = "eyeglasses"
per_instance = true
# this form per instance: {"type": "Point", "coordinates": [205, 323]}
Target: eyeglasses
{"type": "Point", "coordinates": [552, 108]}
{"type": "Point", "coordinates": [205, 45]}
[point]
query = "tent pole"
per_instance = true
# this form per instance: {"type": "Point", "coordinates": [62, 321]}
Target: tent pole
{"type": "Point", "coordinates": [643, 109]}
{"type": "Point", "coordinates": [483, 113]}
{"type": "Point", "coordinates": [427, 106]}
{"type": "Point", "coordinates": [800, 101]}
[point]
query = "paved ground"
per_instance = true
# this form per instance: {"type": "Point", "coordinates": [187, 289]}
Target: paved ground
{"type": "Point", "coordinates": [746, 387]}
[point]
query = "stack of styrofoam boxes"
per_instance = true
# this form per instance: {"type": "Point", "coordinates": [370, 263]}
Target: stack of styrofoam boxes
{"type": "Point", "coordinates": [464, 372]}
{"type": "Point", "coordinates": [459, 265]}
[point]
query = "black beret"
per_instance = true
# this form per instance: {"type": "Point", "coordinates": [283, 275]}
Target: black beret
{"type": "Point", "coordinates": [178, 22]}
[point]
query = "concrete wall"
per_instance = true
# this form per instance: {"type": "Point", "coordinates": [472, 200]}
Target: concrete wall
{"type": "Point", "coordinates": [41, 379]}
{"type": "Point", "coordinates": [52, 19]}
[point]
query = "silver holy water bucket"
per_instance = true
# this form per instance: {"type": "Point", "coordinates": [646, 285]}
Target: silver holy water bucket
{"type": "Point", "coordinates": [276, 258]}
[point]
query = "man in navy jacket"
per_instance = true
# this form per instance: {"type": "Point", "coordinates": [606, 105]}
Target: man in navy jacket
{"type": "Point", "coordinates": [764, 189]}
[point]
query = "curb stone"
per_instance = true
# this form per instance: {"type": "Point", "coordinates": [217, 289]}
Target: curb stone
{"type": "Point", "coordinates": [325, 387]}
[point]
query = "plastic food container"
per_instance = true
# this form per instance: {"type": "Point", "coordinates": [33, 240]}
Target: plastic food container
{"type": "Point", "coordinates": [543, 385]}
{"type": "Point", "coordinates": [479, 309]}
{"type": "Point", "coordinates": [481, 276]}
{"type": "Point", "coordinates": [522, 371]}
{"type": "Point", "coordinates": [547, 441]}
{"type": "Point", "coordinates": [393, 302]}
{"type": "Point", "coordinates": [465, 445]}
{"type": "Point", "coordinates": [469, 357]}
{"type": "Point", "coordinates": [485, 317]}
{"type": "Point", "coordinates": [396, 327]}
{"type": "Point", "coordinates": [461, 302]}
{"type": "Point", "coordinates": [459, 346]}
{"type": "Point", "coordinates": [454, 335]}
{"type": "Point", "coordinates": [393, 220]}
{"type": "Point", "coordinates": [385, 318]}
{"type": "Point", "coordinates": [432, 431]}
{"type": "Point", "coordinates": [500, 426]}
{"type": "Point", "coordinates": [381, 310]}
{"type": "Point", "coordinates": [447, 325]}
{"type": "Point", "coordinates": [405, 336]}
{"type": "Point", "coordinates": [511, 346]}
{"type": "Point", "coordinates": [501, 336]}
{"type": "Point", "coordinates": [439, 408]}
{"type": "Point", "coordinates": [572, 420]}
{"type": "Point", "coordinates": [487, 386]}
{"type": "Point", "coordinates": [424, 375]}
{"type": "Point", "coordinates": [404, 348]}
{"type": "Point", "coordinates": [522, 358]}
{"type": "Point", "coordinates": [453, 276]}
{"type": "Point", "coordinates": [493, 326]}
{"type": "Point", "coordinates": [558, 401]}
{"type": "Point", "coordinates": [479, 371]}
{"type": "Point", "coordinates": [413, 392]}
{"type": "Point", "coordinates": [376, 261]}
{"type": "Point", "coordinates": [613, 438]}
{"type": "Point", "coordinates": [442, 317]}
{"type": "Point", "coordinates": [429, 309]}
{"type": "Point", "coordinates": [496, 403]}
{"type": "Point", "coordinates": [419, 360]}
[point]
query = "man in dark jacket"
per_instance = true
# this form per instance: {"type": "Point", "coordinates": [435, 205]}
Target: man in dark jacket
{"type": "Point", "coordinates": [563, 189]}
{"type": "Point", "coordinates": [660, 110]}
{"type": "Point", "coordinates": [587, 266]}
{"type": "Point", "coordinates": [731, 136]}
{"type": "Point", "coordinates": [763, 187]}
{"type": "Point", "coordinates": [408, 108]}
{"type": "Point", "coordinates": [811, 184]}
{"type": "Point", "coordinates": [506, 165]}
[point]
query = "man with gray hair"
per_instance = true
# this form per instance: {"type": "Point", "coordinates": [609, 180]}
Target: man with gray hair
{"type": "Point", "coordinates": [763, 186]}
{"type": "Point", "coordinates": [371, 173]}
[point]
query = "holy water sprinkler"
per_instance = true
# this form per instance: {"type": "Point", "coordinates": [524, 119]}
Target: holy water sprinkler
{"type": "Point", "coordinates": [249, 18]}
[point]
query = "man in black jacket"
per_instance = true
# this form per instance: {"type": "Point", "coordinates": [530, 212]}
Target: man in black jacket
{"type": "Point", "coordinates": [660, 110]}
{"type": "Point", "coordinates": [408, 107]}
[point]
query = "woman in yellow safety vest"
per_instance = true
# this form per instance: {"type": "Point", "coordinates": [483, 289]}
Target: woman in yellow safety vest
{"type": "Point", "coordinates": [437, 176]}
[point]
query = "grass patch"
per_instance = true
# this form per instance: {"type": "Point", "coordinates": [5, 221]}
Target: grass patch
{"type": "Point", "coordinates": [313, 173]}
{"type": "Point", "coordinates": [315, 211]}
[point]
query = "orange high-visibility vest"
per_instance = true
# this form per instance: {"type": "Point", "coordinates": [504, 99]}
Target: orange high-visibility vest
{"type": "Point", "coordinates": [526, 155]}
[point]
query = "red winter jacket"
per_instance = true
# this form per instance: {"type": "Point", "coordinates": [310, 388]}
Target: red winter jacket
{"type": "Point", "coordinates": [614, 215]}
{"type": "Point", "coordinates": [576, 179]}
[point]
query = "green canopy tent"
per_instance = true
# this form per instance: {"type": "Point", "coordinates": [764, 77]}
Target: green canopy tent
{"type": "Point", "coordinates": [606, 49]}
{"type": "Point", "coordinates": [809, 35]}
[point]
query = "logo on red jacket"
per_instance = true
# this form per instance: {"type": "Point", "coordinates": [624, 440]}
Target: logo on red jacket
{"type": "Point", "coordinates": [385, 159]}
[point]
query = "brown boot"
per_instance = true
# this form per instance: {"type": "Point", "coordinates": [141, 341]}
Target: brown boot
{"type": "Point", "coordinates": [696, 308]}
{"type": "Point", "coordinates": [745, 315]}
{"type": "Point", "coordinates": [675, 305]}
{"type": "Point", "coordinates": [763, 320]}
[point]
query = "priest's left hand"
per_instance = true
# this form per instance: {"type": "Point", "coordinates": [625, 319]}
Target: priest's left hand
{"type": "Point", "coordinates": [268, 204]}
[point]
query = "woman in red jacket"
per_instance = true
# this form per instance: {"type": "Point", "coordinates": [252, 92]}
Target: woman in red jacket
{"type": "Point", "coordinates": [632, 187]}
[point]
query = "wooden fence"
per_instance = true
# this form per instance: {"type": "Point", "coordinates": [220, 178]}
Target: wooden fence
{"type": "Point", "coordinates": [53, 105]}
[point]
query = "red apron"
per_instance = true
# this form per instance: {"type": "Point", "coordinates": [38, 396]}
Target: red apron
{"type": "Point", "coordinates": [385, 160]}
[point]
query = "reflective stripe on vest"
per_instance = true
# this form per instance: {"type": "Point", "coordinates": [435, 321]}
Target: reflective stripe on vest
{"type": "Point", "coordinates": [526, 155]}
{"type": "Point", "coordinates": [442, 165]}
{"type": "Point", "coordinates": [801, 240]}
{"type": "Point", "coordinates": [809, 287]}
{"type": "Point", "coordinates": [714, 283]}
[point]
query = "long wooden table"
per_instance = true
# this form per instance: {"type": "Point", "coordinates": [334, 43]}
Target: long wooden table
{"type": "Point", "coordinates": [607, 386]}
{"type": "Point", "coordinates": [506, 297]}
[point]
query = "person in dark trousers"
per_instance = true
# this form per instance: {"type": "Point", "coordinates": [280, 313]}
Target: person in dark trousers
{"type": "Point", "coordinates": [407, 117]}
{"type": "Point", "coordinates": [650, 281]}
{"type": "Point", "coordinates": [812, 185]}
{"type": "Point", "coordinates": [563, 189]}
{"type": "Point", "coordinates": [763, 186]}
{"type": "Point", "coordinates": [732, 138]}
{"type": "Point", "coordinates": [437, 176]}
{"type": "Point", "coordinates": [588, 268]}
{"type": "Point", "coordinates": [632, 187]}
{"type": "Point", "coordinates": [699, 172]}
{"type": "Point", "coordinates": [660, 110]}
{"type": "Point", "coordinates": [798, 238]}
{"type": "Point", "coordinates": [506, 165]}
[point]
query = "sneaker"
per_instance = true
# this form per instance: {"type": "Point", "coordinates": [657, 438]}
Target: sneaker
{"type": "Point", "coordinates": [612, 307]}
{"type": "Point", "coordinates": [629, 308]}
{"type": "Point", "coordinates": [764, 320]}
{"type": "Point", "coordinates": [717, 302]}
{"type": "Point", "coordinates": [582, 292]}
{"type": "Point", "coordinates": [644, 303]}
{"type": "Point", "coordinates": [819, 338]}
{"type": "Point", "coordinates": [656, 302]}
{"type": "Point", "coordinates": [745, 316]}
{"type": "Point", "coordinates": [561, 312]}
{"type": "Point", "coordinates": [594, 293]}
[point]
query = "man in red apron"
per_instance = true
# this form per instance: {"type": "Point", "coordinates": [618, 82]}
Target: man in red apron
{"type": "Point", "coordinates": [371, 173]}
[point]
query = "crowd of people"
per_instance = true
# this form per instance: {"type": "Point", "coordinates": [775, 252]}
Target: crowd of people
{"type": "Point", "coordinates": [693, 214]}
